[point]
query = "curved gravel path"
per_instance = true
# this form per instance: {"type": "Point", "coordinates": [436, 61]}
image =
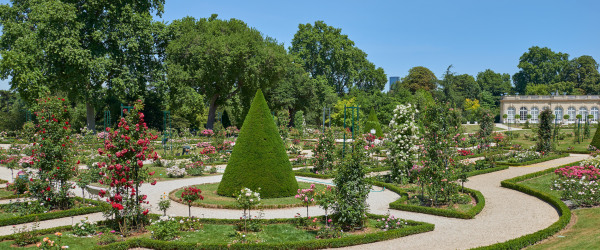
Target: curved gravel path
{"type": "Point", "coordinates": [508, 214]}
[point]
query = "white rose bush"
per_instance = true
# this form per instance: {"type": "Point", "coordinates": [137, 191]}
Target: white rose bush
{"type": "Point", "coordinates": [404, 135]}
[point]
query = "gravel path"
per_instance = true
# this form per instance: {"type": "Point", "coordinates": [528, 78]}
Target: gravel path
{"type": "Point", "coordinates": [508, 214]}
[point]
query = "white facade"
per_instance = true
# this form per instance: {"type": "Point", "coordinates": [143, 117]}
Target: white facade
{"type": "Point", "coordinates": [562, 105]}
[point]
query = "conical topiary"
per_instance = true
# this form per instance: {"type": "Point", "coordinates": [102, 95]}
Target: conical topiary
{"type": "Point", "coordinates": [259, 159]}
{"type": "Point", "coordinates": [596, 140]}
{"type": "Point", "coordinates": [225, 119]}
{"type": "Point", "coordinates": [373, 123]}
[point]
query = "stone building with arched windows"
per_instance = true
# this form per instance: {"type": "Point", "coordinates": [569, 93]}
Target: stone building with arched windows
{"type": "Point", "coordinates": [560, 105]}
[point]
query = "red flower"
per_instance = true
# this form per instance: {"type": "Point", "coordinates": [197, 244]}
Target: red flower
{"type": "Point", "coordinates": [151, 173]}
{"type": "Point", "coordinates": [117, 206]}
{"type": "Point", "coordinates": [153, 183]}
{"type": "Point", "coordinates": [101, 193]}
{"type": "Point", "coordinates": [145, 212]}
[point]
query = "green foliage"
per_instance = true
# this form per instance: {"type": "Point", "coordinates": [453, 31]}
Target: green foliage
{"type": "Point", "coordinates": [352, 188]}
{"type": "Point", "coordinates": [486, 126]}
{"type": "Point", "coordinates": [53, 151]}
{"type": "Point", "coordinates": [299, 122]}
{"type": "Point", "coordinates": [418, 78]}
{"type": "Point", "coordinates": [225, 119]}
{"type": "Point", "coordinates": [259, 159]}
{"type": "Point", "coordinates": [329, 53]}
{"type": "Point", "coordinates": [544, 143]}
{"type": "Point", "coordinates": [596, 140]}
{"type": "Point", "coordinates": [98, 207]}
{"type": "Point", "coordinates": [221, 59]}
{"type": "Point", "coordinates": [164, 229]}
{"type": "Point", "coordinates": [373, 123]}
{"type": "Point", "coordinates": [323, 153]}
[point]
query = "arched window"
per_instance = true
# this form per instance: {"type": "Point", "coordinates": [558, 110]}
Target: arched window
{"type": "Point", "coordinates": [595, 114]}
{"type": "Point", "coordinates": [511, 114]}
{"type": "Point", "coordinates": [523, 113]}
{"type": "Point", "coordinates": [583, 112]}
{"type": "Point", "coordinates": [535, 112]}
{"type": "Point", "coordinates": [558, 112]}
{"type": "Point", "coordinates": [572, 114]}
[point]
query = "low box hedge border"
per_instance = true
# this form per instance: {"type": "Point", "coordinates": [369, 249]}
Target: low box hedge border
{"type": "Point", "coordinates": [415, 227]}
{"type": "Point", "coordinates": [530, 239]}
{"type": "Point", "coordinates": [99, 206]}
{"type": "Point", "coordinates": [533, 161]}
{"type": "Point", "coordinates": [485, 171]}
{"type": "Point", "coordinates": [585, 152]}
{"type": "Point", "coordinates": [398, 204]}
{"type": "Point", "coordinates": [350, 240]}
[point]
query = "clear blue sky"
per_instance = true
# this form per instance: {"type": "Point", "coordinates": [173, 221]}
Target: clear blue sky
{"type": "Point", "coordinates": [398, 35]}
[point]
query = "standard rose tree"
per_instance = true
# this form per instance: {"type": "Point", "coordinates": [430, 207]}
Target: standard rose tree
{"type": "Point", "coordinates": [123, 171]}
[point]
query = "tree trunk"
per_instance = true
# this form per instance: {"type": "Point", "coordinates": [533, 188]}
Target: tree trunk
{"type": "Point", "coordinates": [212, 110]}
{"type": "Point", "coordinates": [91, 116]}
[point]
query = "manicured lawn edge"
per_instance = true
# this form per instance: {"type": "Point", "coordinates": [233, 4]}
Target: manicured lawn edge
{"type": "Point", "coordinates": [530, 239]}
{"type": "Point", "coordinates": [350, 240]}
{"type": "Point", "coordinates": [99, 207]}
{"type": "Point", "coordinates": [398, 204]}
{"type": "Point", "coordinates": [485, 171]}
{"type": "Point", "coordinates": [585, 152]}
{"type": "Point", "coordinates": [533, 161]}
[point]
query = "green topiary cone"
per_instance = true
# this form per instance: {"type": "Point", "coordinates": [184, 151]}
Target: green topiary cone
{"type": "Point", "coordinates": [373, 123]}
{"type": "Point", "coordinates": [259, 159]}
{"type": "Point", "coordinates": [596, 140]}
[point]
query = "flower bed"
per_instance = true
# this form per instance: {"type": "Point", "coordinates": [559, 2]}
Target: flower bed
{"type": "Point", "coordinates": [276, 234]}
{"type": "Point", "coordinates": [538, 160]}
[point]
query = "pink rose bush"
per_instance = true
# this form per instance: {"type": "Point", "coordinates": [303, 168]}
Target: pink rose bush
{"type": "Point", "coordinates": [579, 184]}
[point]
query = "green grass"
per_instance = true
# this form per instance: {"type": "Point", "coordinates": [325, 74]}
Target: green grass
{"type": "Point", "coordinates": [5, 193]}
{"type": "Point", "coordinates": [212, 199]}
{"type": "Point", "coordinates": [560, 144]}
{"type": "Point", "coordinates": [543, 183]}
{"type": "Point", "coordinates": [275, 233]}
{"type": "Point", "coordinates": [584, 234]}
{"type": "Point", "coordinates": [474, 128]}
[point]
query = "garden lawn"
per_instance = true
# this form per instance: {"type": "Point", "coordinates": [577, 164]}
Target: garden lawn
{"type": "Point", "coordinates": [584, 234]}
{"type": "Point", "coordinates": [561, 144]}
{"type": "Point", "coordinates": [543, 183]}
{"type": "Point", "coordinates": [5, 193]}
{"type": "Point", "coordinates": [212, 199]}
{"type": "Point", "coordinates": [474, 128]}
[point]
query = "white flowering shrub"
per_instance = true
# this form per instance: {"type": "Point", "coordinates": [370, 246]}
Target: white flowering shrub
{"type": "Point", "coordinates": [85, 228]}
{"type": "Point", "coordinates": [404, 135]}
{"type": "Point", "coordinates": [176, 172]}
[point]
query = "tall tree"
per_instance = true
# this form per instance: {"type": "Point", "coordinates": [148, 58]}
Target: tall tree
{"type": "Point", "coordinates": [329, 53]}
{"type": "Point", "coordinates": [540, 66]}
{"type": "Point", "coordinates": [418, 78]}
{"type": "Point", "coordinates": [583, 72]}
{"type": "Point", "coordinates": [79, 47]}
{"type": "Point", "coordinates": [493, 85]}
{"type": "Point", "coordinates": [221, 59]}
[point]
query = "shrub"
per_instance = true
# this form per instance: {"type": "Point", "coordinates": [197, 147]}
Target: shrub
{"type": "Point", "coordinates": [53, 153]}
{"type": "Point", "coordinates": [164, 229]}
{"type": "Point", "coordinates": [259, 159]}
{"type": "Point", "coordinates": [373, 123]}
{"type": "Point", "coordinates": [404, 135]}
{"type": "Point", "coordinates": [126, 149]}
{"type": "Point", "coordinates": [323, 152]}
{"type": "Point", "coordinates": [189, 195]}
{"type": "Point", "coordinates": [545, 132]}
{"type": "Point", "coordinates": [84, 228]}
{"type": "Point", "coordinates": [175, 172]}
{"type": "Point", "coordinates": [596, 139]}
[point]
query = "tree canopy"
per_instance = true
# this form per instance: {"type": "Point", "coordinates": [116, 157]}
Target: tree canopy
{"type": "Point", "coordinates": [329, 53]}
{"type": "Point", "coordinates": [418, 78]}
{"type": "Point", "coordinates": [221, 59]}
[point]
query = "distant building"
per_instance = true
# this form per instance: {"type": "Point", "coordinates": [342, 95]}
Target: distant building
{"type": "Point", "coordinates": [560, 105]}
{"type": "Point", "coordinates": [393, 81]}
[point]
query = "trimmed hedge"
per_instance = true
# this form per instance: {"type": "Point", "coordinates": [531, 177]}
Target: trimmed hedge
{"type": "Point", "coordinates": [485, 171]}
{"type": "Point", "coordinates": [530, 239]}
{"type": "Point", "coordinates": [398, 204]}
{"type": "Point", "coordinates": [585, 152]}
{"type": "Point", "coordinates": [350, 240]}
{"type": "Point", "coordinates": [534, 161]}
{"type": "Point", "coordinates": [331, 176]}
{"type": "Point", "coordinates": [373, 123]}
{"type": "Point", "coordinates": [259, 159]}
{"type": "Point", "coordinates": [98, 207]}
{"type": "Point", "coordinates": [596, 139]}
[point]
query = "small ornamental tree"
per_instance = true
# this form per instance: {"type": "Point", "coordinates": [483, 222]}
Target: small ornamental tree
{"type": "Point", "coordinates": [486, 127]}
{"type": "Point", "coordinates": [123, 170]}
{"type": "Point", "coordinates": [247, 199]}
{"type": "Point", "coordinates": [442, 129]}
{"type": "Point", "coordinates": [307, 196]}
{"type": "Point", "coordinates": [544, 143]}
{"type": "Point", "coordinates": [352, 187]}
{"type": "Point", "coordinates": [299, 122]}
{"type": "Point", "coordinates": [323, 152]}
{"type": "Point", "coordinates": [404, 135]}
{"type": "Point", "coordinates": [52, 153]}
{"type": "Point", "coordinates": [373, 123]}
{"type": "Point", "coordinates": [225, 119]}
{"type": "Point", "coordinates": [586, 127]}
{"type": "Point", "coordinates": [189, 195]}
{"type": "Point", "coordinates": [596, 140]}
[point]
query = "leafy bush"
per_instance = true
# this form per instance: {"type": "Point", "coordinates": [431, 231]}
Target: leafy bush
{"type": "Point", "coordinates": [259, 159]}
{"type": "Point", "coordinates": [373, 123]}
{"type": "Point", "coordinates": [390, 222]}
{"type": "Point", "coordinates": [175, 172]}
{"type": "Point", "coordinates": [164, 229]}
{"type": "Point", "coordinates": [84, 228]}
